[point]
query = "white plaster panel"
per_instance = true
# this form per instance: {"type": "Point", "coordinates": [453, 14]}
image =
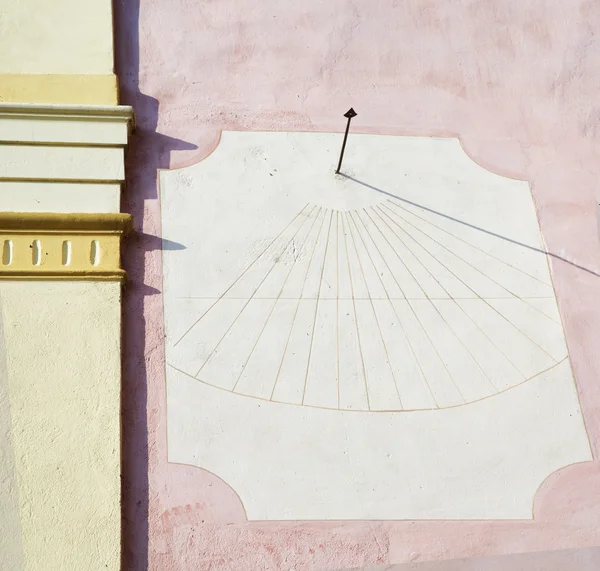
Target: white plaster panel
{"type": "Point", "coordinates": [410, 296]}
{"type": "Point", "coordinates": [63, 162]}
{"type": "Point", "coordinates": [59, 197]}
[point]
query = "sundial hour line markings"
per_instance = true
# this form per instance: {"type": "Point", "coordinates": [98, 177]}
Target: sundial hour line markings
{"type": "Point", "coordinates": [399, 320]}
{"type": "Point", "coordinates": [368, 276]}
{"type": "Point", "coordinates": [374, 312]}
{"type": "Point", "coordinates": [439, 313]}
{"type": "Point", "coordinates": [362, 358]}
{"type": "Point", "coordinates": [461, 259]}
{"type": "Point", "coordinates": [454, 236]}
{"type": "Point", "coordinates": [445, 321]}
{"type": "Point", "coordinates": [419, 321]}
{"type": "Point", "coordinates": [487, 299]}
{"type": "Point", "coordinates": [359, 228]}
{"type": "Point", "coordinates": [300, 297]}
{"type": "Point", "coordinates": [250, 299]}
{"type": "Point", "coordinates": [312, 337]}
{"type": "Point", "coordinates": [382, 411]}
{"type": "Point", "coordinates": [454, 300]}
{"type": "Point", "coordinates": [486, 302]}
{"type": "Point", "coordinates": [363, 301]}
{"type": "Point", "coordinates": [276, 300]}
{"type": "Point", "coordinates": [242, 274]}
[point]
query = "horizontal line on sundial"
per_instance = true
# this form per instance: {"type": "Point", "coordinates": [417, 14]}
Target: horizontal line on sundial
{"type": "Point", "coordinates": [363, 298]}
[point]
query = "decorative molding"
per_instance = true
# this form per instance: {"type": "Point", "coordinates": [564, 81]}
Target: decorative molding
{"type": "Point", "coordinates": [51, 221]}
{"type": "Point", "coordinates": [84, 89]}
{"type": "Point", "coordinates": [122, 112]}
{"type": "Point", "coordinates": [33, 124]}
{"type": "Point", "coordinates": [62, 246]}
{"type": "Point", "coordinates": [56, 156]}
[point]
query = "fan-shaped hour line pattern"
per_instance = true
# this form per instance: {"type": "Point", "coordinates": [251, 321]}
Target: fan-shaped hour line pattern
{"type": "Point", "coordinates": [415, 313]}
{"type": "Point", "coordinates": [412, 310]}
{"type": "Point", "coordinates": [446, 321]}
{"type": "Point", "coordinates": [454, 300]}
{"type": "Point", "coordinates": [300, 297]}
{"type": "Point", "coordinates": [462, 260]}
{"type": "Point", "coordinates": [383, 342]}
{"type": "Point", "coordinates": [421, 371]}
{"type": "Point", "coordinates": [312, 337]}
{"type": "Point", "coordinates": [406, 336]}
{"type": "Point", "coordinates": [516, 268]}
{"type": "Point", "coordinates": [277, 298]}
{"type": "Point", "coordinates": [475, 292]}
{"type": "Point", "coordinates": [473, 358]}
{"type": "Point", "coordinates": [255, 290]}
{"type": "Point", "coordinates": [483, 299]}
{"type": "Point", "coordinates": [376, 320]}
{"type": "Point", "coordinates": [242, 274]}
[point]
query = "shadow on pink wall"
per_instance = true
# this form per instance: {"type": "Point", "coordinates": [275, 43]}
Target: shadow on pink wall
{"type": "Point", "coordinates": [148, 152]}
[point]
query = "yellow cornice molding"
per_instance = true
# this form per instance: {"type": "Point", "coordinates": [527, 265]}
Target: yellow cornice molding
{"type": "Point", "coordinates": [85, 89]}
{"type": "Point", "coordinates": [66, 275]}
{"type": "Point", "coordinates": [57, 222]}
{"type": "Point", "coordinates": [56, 246]}
{"type": "Point", "coordinates": [122, 113]}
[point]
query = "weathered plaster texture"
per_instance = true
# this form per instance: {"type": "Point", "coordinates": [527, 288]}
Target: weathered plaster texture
{"type": "Point", "coordinates": [11, 549]}
{"type": "Point", "coordinates": [62, 347]}
{"type": "Point", "coordinates": [516, 81]}
{"type": "Point", "coordinates": [579, 559]}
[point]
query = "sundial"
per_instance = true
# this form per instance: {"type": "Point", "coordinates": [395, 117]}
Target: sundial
{"type": "Point", "coordinates": [396, 321]}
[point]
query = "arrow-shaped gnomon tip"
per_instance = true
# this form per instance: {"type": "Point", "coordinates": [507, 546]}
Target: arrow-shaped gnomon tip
{"type": "Point", "coordinates": [350, 113]}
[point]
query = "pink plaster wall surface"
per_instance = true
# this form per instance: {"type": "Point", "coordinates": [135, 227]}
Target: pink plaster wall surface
{"type": "Point", "coordinates": [586, 559]}
{"type": "Point", "coordinates": [516, 80]}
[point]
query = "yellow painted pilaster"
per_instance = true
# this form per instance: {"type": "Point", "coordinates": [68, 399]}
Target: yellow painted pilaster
{"type": "Point", "coordinates": [62, 142]}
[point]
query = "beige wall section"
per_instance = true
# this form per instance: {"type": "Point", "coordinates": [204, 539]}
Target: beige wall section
{"type": "Point", "coordinates": [11, 552]}
{"type": "Point", "coordinates": [57, 52]}
{"type": "Point", "coordinates": [62, 344]}
{"type": "Point", "coordinates": [65, 37]}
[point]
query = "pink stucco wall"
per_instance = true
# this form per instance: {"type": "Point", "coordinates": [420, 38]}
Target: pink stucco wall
{"type": "Point", "coordinates": [583, 559]}
{"type": "Point", "coordinates": [516, 80]}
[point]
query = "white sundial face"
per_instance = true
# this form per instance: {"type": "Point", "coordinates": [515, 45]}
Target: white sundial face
{"type": "Point", "coordinates": [341, 346]}
{"type": "Point", "coordinates": [361, 299]}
